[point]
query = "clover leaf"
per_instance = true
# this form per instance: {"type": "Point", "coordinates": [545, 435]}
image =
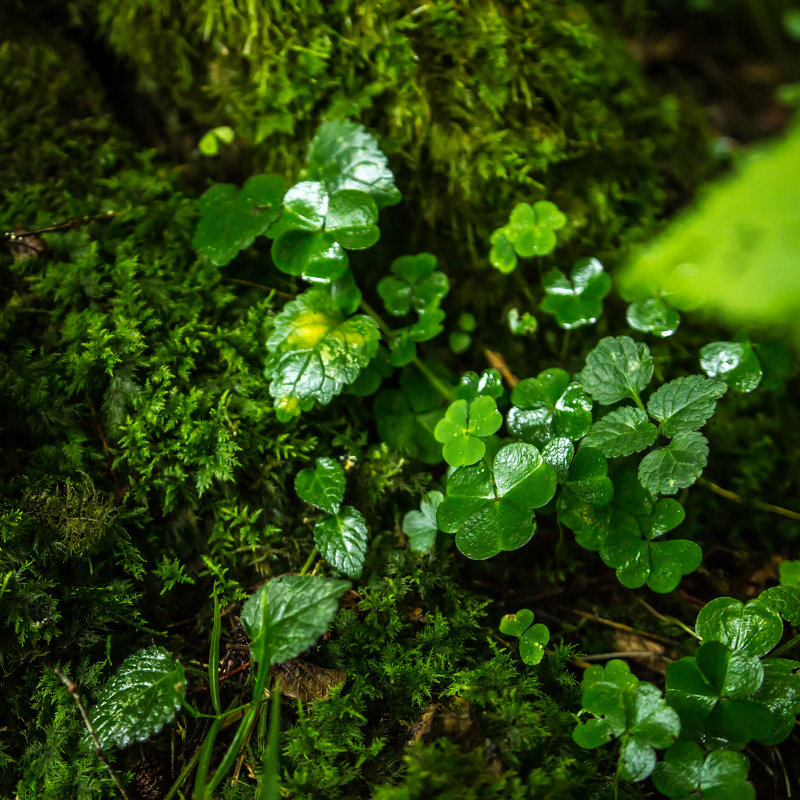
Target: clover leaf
{"type": "Point", "coordinates": [685, 404]}
{"type": "Point", "coordinates": [428, 325]}
{"type": "Point", "coordinates": [420, 526]}
{"type": "Point", "coordinates": [342, 540]}
{"type": "Point", "coordinates": [291, 612]}
{"type": "Point", "coordinates": [231, 218]}
{"type": "Point", "coordinates": [524, 324]}
{"type": "Point", "coordinates": [532, 638]}
{"type": "Point", "coordinates": [462, 428]}
{"type": "Point", "coordinates": [322, 486]}
{"type": "Point", "coordinates": [491, 509]}
{"type": "Point", "coordinates": [753, 628]}
{"type": "Point", "coordinates": [414, 283]}
{"type": "Point", "coordinates": [616, 369]}
{"type": "Point", "coordinates": [316, 227]}
{"type": "Point", "coordinates": [406, 418]}
{"type": "Point", "coordinates": [687, 773]}
{"type": "Point", "coordinates": [471, 385]}
{"type": "Point", "coordinates": [734, 362]}
{"type": "Point", "coordinates": [530, 231]}
{"type": "Point", "coordinates": [712, 692]}
{"type": "Point", "coordinates": [343, 156]}
{"type": "Point", "coordinates": [784, 600]}
{"type": "Point", "coordinates": [676, 466]}
{"type": "Point", "coordinates": [780, 694]}
{"type": "Point", "coordinates": [653, 315]}
{"type": "Point", "coordinates": [558, 453]}
{"type": "Point", "coordinates": [621, 432]}
{"type": "Point", "coordinates": [548, 406]}
{"type": "Point", "coordinates": [588, 478]}
{"type": "Point", "coordinates": [140, 698]}
{"type": "Point", "coordinates": [315, 352]}
{"type": "Point", "coordinates": [402, 349]}
{"type": "Point", "coordinates": [578, 300]}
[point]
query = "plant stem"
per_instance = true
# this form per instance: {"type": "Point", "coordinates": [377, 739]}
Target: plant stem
{"type": "Point", "coordinates": [786, 647]}
{"type": "Point", "coordinates": [737, 498]}
{"type": "Point", "coordinates": [72, 688]}
{"type": "Point", "coordinates": [260, 286]}
{"type": "Point", "coordinates": [564, 348]}
{"type": "Point", "coordinates": [213, 656]}
{"type": "Point", "coordinates": [309, 561]}
{"type": "Point", "coordinates": [370, 311]}
{"type": "Point", "coordinates": [183, 776]}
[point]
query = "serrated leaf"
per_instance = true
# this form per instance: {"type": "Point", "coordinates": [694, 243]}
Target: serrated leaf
{"type": "Point", "coordinates": [420, 526]}
{"type": "Point", "coordinates": [315, 352]}
{"type": "Point", "coordinates": [621, 432]}
{"type": "Point", "coordinates": [616, 369]}
{"type": "Point", "coordinates": [734, 362]}
{"type": "Point", "coordinates": [344, 156]}
{"type": "Point", "coordinates": [752, 628]}
{"type": "Point", "coordinates": [653, 315]}
{"type": "Point", "coordinates": [298, 610]}
{"type": "Point", "coordinates": [463, 426]}
{"type": "Point", "coordinates": [676, 466]}
{"type": "Point", "coordinates": [685, 404]}
{"type": "Point", "coordinates": [491, 511]}
{"type": "Point", "coordinates": [231, 218]}
{"type": "Point", "coordinates": [342, 541]}
{"type": "Point", "coordinates": [578, 300]}
{"type": "Point", "coordinates": [415, 283]}
{"type": "Point", "coordinates": [323, 486]}
{"type": "Point", "coordinates": [139, 699]}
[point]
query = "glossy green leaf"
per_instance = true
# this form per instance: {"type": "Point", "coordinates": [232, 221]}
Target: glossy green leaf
{"type": "Point", "coordinates": [139, 699]}
{"type": "Point", "coordinates": [558, 453]}
{"type": "Point", "coordinates": [653, 315]}
{"type": "Point", "coordinates": [752, 628]}
{"type": "Point", "coordinates": [231, 218]}
{"type": "Point", "coordinates": [344, 156]}
{"type": "Point", "coordinates": [420, 526]}
{"type": "Point", "coordinates": [593, 733]}
{"type": "Point", "coordinates": [342, 541]}
{"type": "Point", "coordinates": [492, 511]}
{"type": "Point", "coordinates": [524, 324]}
{"type": "Point", "coordinates": [617, 368]}
{"type": "Point", "coordinates": [615, 671]}
{"type": "Point", "coordinates": [629, 494]}
{"type": "Point", "coordinates": [298, 610]}
{"type": "Point", "coordinates": [532, 644]}
{"type": "Point", "coordinates": [789, 572]}
{"type": "Point", "coordinates": [428, 326]}
{"type": "Point", "coordinates": [776, 362]}
{"type": "Point", "coordinates": [780, 694]}
{"type": "Point", "coordinates": [734, 362]}
{"type": "Point", "coordinates": [402, 349]}
{"type": "Point", "coordinates": [687, 773]}
{"type": "Point", "coordinates": [502, 255]}
{"type": "Point", "coordinates": [588, 477]}
{"type": "Point", "coordinates": [459, 342]}
{"type": "Point", "coordinates": [636, 759]}
{"type": "Point", "coordinates": [621, 432]}
{"type": "Point", "coordinates": [549, 406]}
{"type": "Point", "coordinates": [578, 300]}
{"type": "Point", "coordinates": [666, 515]}
{"type": "Point", "coordinates": [471, 385]}
{"type": "Point", "coordinates": [210, 141]}
{"type": "Point", "coordinates": [516, 624]}
{"type": "Point", "coordinates": [463, 426]}
{"type": "Point", "coordinates": [591, 525]}
{"type": "Point", "coordinates": [315, 352]}
{"type": "Point", "coordinates": [784, 600]}
{"type": "Point", "coordinates": [531, 229]}
{"type": "Point", "coordinates": [676, 466]}
{"type": "Point", "coordinates": [415, 283]}
{"type": "Point", "coordinates": [346, 294]}
{"type": "Point", "coordinates": [322, 486]}
{"type": "Point", "coordinates": [685, 404]}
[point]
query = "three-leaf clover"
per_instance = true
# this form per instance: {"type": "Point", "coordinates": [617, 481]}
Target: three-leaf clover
{"type": "Point", "coordinates": [463, 427]}
{"type": "Point", "coordinates": [616, 369]}
{"type": "Point", "coordinates": [322, 486]}
{"type": "Point", "coordinates": [316, 227]}
{"type": "Point", "coordinates": [231, 218]}
{"type": "Point", "coordinates": [491, 509]}
{"type": "Point", "coordinates": [530, 231]}
{"type": "Point", "coordinates": [578, 300]}
{"type": "Point", "coordinates": [315, 351]}
{"type": "Point", "coordinates": [653, 315]}
{"type": "Point", "coordinates": [342, 540]}
{"type": "Point", "coordinates": [140, 698]}
{"type": "Point", "coordinates": [415, 283]}
{"type": "Point", "coordinates": [548, 406]}
{"type": "Point", "coordinates": [532, 638]}
{"type": "Point", "coordinates": [420, 526]}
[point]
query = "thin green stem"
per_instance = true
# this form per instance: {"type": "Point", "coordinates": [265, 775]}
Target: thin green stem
{"type": "Point", "coordinates": [638, 401]}
{"type": "Point", "coordinates": [204, 760]}
{"type": "Point", "coordinates": [371, 312]}
{"type": "Point", "coordinates": [564, 348]}
{"type": "Point", "coordinates": [260, 286]}
{"type": "Point", "coordinates": [185, 772]}
{"type": "Point", "coordinates": [737, 498]}
{"type": "Point", "coordinates": [440, 387]}
{"type": "Point", "coordinates": [213, 655]}
{"type": "Point", "coordinates": [309, 561]}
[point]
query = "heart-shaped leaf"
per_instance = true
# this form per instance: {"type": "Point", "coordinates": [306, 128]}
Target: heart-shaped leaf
{"type": "Point", "coordinates": [588, 477]}
{"type": "Point", "coordinates": [780, 693]}
{"type": "Point", "coordinates": [516, 624]}
{"type": "Point", "coordinates": [784, 600]}
{"type": "Point", "coordinates": [578, 300]}
{"type": "Point", "coordinates": [323, 486]}
{"type": "Point", "coordinates": [471, 385]}
{"type": "Point", "coordinates": [462, 428]}
{"type": "Point", "coordinates": [617, 368]}
{"type": "Point", "coordinates": [685, 404]}
{"type": "Point", "coordinates": [676, 466]}
{"type": "Point", "coordinates": [342, 541]}
{"type": "Point", "coordinates": [734, 362]}
{"type": "Point", "coordinates": [753, 628]}
{"type": "Point", "coordinates": [420, 526]}
{"type": "Point", "coordinates": [414, 283]}
{"type": "Point", "coordinates": [621, 432]}
{"type": "Point", "coordinates": [231, 218]}
{"type": "Point", "coordinates": [492, 510]}
{"type": "Point", "coordinates": [532, 644]}
{"type": "Point", "coordinates": [653, 315]}
{"type": "Point", "coordinates": [140, 698]}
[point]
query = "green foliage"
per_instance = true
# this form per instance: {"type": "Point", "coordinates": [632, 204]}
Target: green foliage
{"type": "Point", "coordinates": [414, 283]}
{"type": "Point", "coordinates": [322, 486]}
{"type": "Point", "coordinates": [210, 141]}
{"type": "Point", "coordinates": [141, 697]}
{"type": "Point", "coordinates": [420, 526]}
{"type": "Point", "coordinates": [532, 638]}
{"type": "Point", "coordinates": [576, 301]}
{"type": "Point", "coordinates": [622, 432]}
{"type": "Point", "coordinates": [530, 231]}
{"type": "Point", "coordinates": [616, 369]}
{"type": "Point", "coordinates": [653, 315]}
{"type": "Point", "coordinates": [342, 540]}
{"type": "Point", "coordinates": [665, 470]}
{"type": "Point", "coordinates": [684, 404]}
{"type": "Point", "coordinates": [463, 428]}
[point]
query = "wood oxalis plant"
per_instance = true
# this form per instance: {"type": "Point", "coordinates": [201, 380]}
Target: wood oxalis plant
{"type": "Point", "coordinates": [603, 453]}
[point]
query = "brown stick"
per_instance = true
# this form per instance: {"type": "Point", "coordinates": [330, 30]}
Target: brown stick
{"type": "Point", "coordinates": [72, 688]}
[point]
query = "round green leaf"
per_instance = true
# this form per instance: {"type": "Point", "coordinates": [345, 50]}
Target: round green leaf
{"type": "Point", "coordinates": [685, 404]}
{"type": "Point", "coordinates": [753, 629]}
{"type": "Point", "coordinates": [471, 385]}
{"type": "Point", "coordinates": [139, 699]}
{"type": "Point", "coordinates": [342, 541]}
{"type": "Point", "coordinates": [588, 477]}
{"type": "Point", "coordinates": [615, 671]}
{"type": "Point", "coordinates": [414, 283]}
{"type": "Point", "coordinates": [653, 315]}
{"type": "Point", "coordinates": [780, 694]}
{"type": "Point", "coordinates": [734, 362]}
{"type": "Point", "coordinates": [617, 368]}
{"type": "Point", "coordinates": [351, 218]}
{"type": "Point", "coordinates": [502, 256]}
{"type": "Point", "coordinates": [676, 466]}
{"type": "Point", "coordinates": [636, 759]}
{"type": "Point", "coordinates": [524, 324]}
{"type": "Point", "coordinates": [459, 342]}
{"type": "Point", "coordinates": [462, 428]}
{"type": "Point", "coordinates": [558, 453]}
{"type": "Point", "coordinates": [420, 526]}
{"type": "Point", "coordinates": [667, 515]}
{"type": "Point", "coordinates": [402, 349]}
{"type": "Point", "coordinates": [606, 700]}
{"type": "Point", "coordinates": [516, 624]}
{"type": "Point", "coordinates": [592, 733]}
{"type": "Point", "coordinates": [621, 432]}
{"type": "Point", "coordinates": [322, 486]}
{"type": "Point", "coordinates": [650, 720]}
{"type": "Point", "coordinates": [314, 256]}
{"type": "Point", "coordinates": [532, 644]}
{"type": "Point", "coordinates": [578, 300]}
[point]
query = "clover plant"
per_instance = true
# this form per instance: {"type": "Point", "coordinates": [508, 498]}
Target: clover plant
{"type": "Point", "coordinates": [576, 301]}
{"type": "Point", "coordinates": [653, 315]}
{"type": "Point", "coordinates": [530, 231]}
{"type": "Point", "coordinates": [532, 638]}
